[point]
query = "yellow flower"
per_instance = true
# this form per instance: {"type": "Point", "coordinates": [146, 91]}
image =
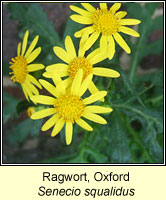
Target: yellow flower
{"type": "Point", "coordinates": [30, 111]}
{"type": "Point", "coordinates": [75, 62]}
{"type": "Point", "coordinates": [68, 107]}
{"type": "Point", "coordinates": [21, 66]}
{"type": "Point", "coordinates": [105, 22]}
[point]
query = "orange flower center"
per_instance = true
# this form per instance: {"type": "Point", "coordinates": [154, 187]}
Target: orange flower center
{"type": "Point", "coordinates": [79, 63]}
{"type": "Point", "coordinates": [19, 67]}
{"type": "Point", "coordinates": [69, 107]}
{"type": "Point", "coordinates": [105, 22]}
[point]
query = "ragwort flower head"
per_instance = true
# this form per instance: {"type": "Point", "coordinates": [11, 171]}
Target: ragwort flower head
{"type": "Point", "coordinates": [75, 62]}
{"type": "Point", "coordinates": [105, 22]}
{"type": "Point", "coordinates": [68, 107]}
{"type": "Point", "coordinates": [30, 110]}
{"type": "Point", "coordinates": [21, 66]}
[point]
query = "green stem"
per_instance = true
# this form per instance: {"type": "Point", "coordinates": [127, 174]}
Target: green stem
{"type": "Point", "coordinates": [134, 64]}
{"type": "Point", "coordinates": [139, 112]}
{"type": "Point", "coordinates": [109, 84]}
{"type": "Point", "coordinates": [137, 52]}
{"type": "Point", "coordinates": [141, 93]}
{"type": "Point", "coordinates": [138, 141]}
{"type": "Point", "coordinates": [155, 99]}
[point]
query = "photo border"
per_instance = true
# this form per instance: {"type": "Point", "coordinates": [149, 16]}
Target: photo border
{"type": "Point", "coordinates": [83, 164]}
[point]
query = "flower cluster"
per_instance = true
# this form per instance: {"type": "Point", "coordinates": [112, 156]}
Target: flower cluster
{"type": "Point", "coordinates": [74, 75]}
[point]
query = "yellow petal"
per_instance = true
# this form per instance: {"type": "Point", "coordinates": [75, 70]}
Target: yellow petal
{"type": "Point", "coordinates": [35, 67]}
{"type": "Point", "coordinates": [95, 118]}
{"type": "Point", "coordinates": [42, 99]}
{"type": "Point", "coordinates": [94, 97]}
{"type": "Point", "coordinates": [128, 31]}
{"type": "Point", "coordinates": [121, 14]}
{"type": "Point", "coordinates": [58, 127]}
{"type": "Point", "coordinates": [115, 7]}
{"type": "Point", "coordinates": [50, 122]}
{"type": "Point", "coordinates": [43, 113]}
{"type": "Point", "coordinates": [64, 84]}
{"type": "Point", "coordinates": [56, 79]}
{"type": "Point", "coordinates": [47, 74]}
{"type": "Point", "coordinates": [81, 11]}
{"type": "Point", "coordinates": [58, 67]}
{"type": "Point", "coordinates": [31, 87]}
{"type": "Point", "coordinates": [84, 124]}
{"type": "Point", "coordinates": [91, 40]}
{"type": "Point", "coordinates": [24, 44]}
{"type": "Point", "coordinates": [81, 19]}
{"type": "Point", "coordinates": [93, 89]}
{"type": "Point", "coordinates": [122, 43]}
{"type": "Point", "coordinates": [87, 30]}
{"type": "Point", "coordinates": [130, 22]}
{"type": "Point", "coordinates": [100, 71]}
{"type": "Point", "coordinates": [70, 47]}
{"type": "Point", "coordinates": [33, 55]}
{"type": "Point", "coordinates": [60, 73]}
{"type": "Point", "coordinates": [34, 81]}
{"type": "Point", "coordinates": [54, 75]}
{"type": "Point", "coordinates": [88, 7]}
{"type": "Point", "coordinates": [62, 54]}
{"type": "Point", "coordinates": [93, 54]}
{"type": "Point", "coordinates": [19, 49]}
{"type": "Point", "coordinates": [61, 87]}
{"type": "Point", "coordinates": [77, 82]}
{"type": "Point", "coordinates": [25, 93]}
{"type": "Point", "coordinates": [111, 47]}
{"type": "Point", "coordinates": [28, 91]}
{"type": "Point", "coordinates": [32, 46]}
{"type": "Point", "coordinates": [85, 85]}
{"type": "Point", "coordinates": [81, 51]}
{"type": "Point", "coordinates": [97, 109]}
{"type": "Point", "coordinates": [98, 57]}
{"type": "Point", "coordinates": [49, 87]}
{"type": "Point", "coordinates": [103, 44]}
{"type": "Point", "coordinates": [103, 6]}
{"type": "Point", "coordinates": [69, 132]}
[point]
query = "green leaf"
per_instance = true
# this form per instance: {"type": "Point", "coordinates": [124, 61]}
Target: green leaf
{"type": "Point", "coordinates": [152, 124]}
{"type": "Point", "coordinates": [148, 115]}
{"type": "Point", "coordinates": [95, 155]}
{"type": "Point", "coordinates": [17, 11]}
{"type": "Point", "coordinates": [22, 106]}
{"type": "Point", "coordinates": [78, 159]}
{"type": "Point", "coordinates": [20, 132]}
{"type": "Point", "coordinates": [23, 129]}
{"type": "Point", "coordinates": [67, 158]}
{"type": "Point", "coordinates": [120, 152]}
{"type": "Point", "coordinates": [157, 78]}
{"type": "Point", "coordinates": [36, 127]}
{"type": "Point", "coordinates": [130, 87]}
{"type": "Point", "coordinates": [150, 87]}
{"type": "Point", "coordinates": [155, 150]}
{"type": "Point", "coordinates": [59, 159]}
{"type": "Point", "coordinates": [35, 19]}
